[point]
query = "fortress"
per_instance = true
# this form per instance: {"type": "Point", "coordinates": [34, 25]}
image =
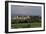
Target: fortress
{"type": "Point", "coordinates": [22, 17]}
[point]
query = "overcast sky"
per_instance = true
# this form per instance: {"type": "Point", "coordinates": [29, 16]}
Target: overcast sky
{"type": "Point", "coordinates": [17, 10]}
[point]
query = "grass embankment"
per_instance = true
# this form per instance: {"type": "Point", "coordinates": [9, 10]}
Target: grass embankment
{"type": "Point", "coordinates": [26, 25]}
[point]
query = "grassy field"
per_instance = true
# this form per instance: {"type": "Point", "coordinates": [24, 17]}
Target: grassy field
{"type": "Point", "coordinates": [26, 25]}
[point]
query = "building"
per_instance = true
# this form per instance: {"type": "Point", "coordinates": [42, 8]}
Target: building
{"type": "Point", "coordinates": [22, 17]}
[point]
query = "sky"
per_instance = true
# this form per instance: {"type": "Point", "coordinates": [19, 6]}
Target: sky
{"type": "Point", "coordinates": [18, 10]}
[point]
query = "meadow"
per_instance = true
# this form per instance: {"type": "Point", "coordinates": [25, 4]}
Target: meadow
{"type": "Point", "coordinates": [25, 23]}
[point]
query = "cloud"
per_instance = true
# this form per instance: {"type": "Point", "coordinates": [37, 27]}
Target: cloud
{"type": "Point", "coordinates": [25, 10]}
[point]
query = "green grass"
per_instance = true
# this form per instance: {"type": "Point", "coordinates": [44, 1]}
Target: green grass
{"type": "Point", "coordinates": [33, 25]}
{"type": "Point", "coordinates": [26, 25]}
